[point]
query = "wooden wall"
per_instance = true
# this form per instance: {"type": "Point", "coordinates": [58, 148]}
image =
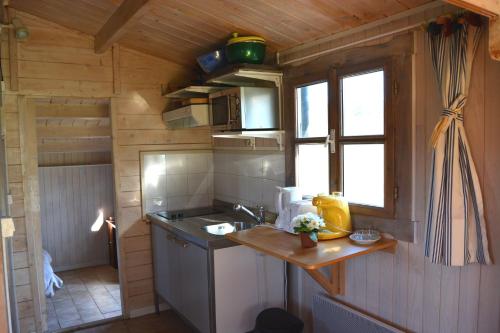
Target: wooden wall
{"type": "Point", "coordinates": [71, 199]}
{"type": "Point", "coordinates": [73, 131]}
{"type": "Point", "coordinates": [74, 158]}
{"type": "Point", "coordinates": [406, 289]}
{"type": "Point", "coordinates": [56, 61]}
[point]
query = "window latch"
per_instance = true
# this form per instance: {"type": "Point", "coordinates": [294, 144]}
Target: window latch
{"type": "Point", "coordinates": [330, 140]}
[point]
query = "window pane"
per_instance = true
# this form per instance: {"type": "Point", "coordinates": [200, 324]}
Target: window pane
{"type": "Point", "coordinates": [363, 104]}
{"type": "Point", "coordinates": [312, 110]}
{"type": "Point", "coordinates": [363, 172]}
{"type": "Point", "coordinates": [312, 170]}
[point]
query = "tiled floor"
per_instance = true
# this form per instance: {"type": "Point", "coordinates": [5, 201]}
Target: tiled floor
{"type": "Point", "coordinates": [166, 322]}
{"type": "Point", "coordinates": [88, 295]}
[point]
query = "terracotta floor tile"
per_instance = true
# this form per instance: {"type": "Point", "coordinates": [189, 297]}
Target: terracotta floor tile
{"type": "Point", "coordinates": [113, 314]}
{"type": "Point", "coordinates": [70, 323]}
{"type": "Point", "coordinates": [166, 322]}
{"type": "Point", "coordinates": [86, 297]}
{"type": "Point", "coordinates": [115, 327]}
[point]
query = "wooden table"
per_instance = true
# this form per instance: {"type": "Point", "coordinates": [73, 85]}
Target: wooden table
{"type": "Point", "coordinates": [332, 253]}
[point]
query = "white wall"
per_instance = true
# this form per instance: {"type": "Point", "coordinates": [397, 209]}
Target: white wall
{"type": "Point", "coordinates": [249, 177]}
{"type": "Point", "coordinates": [177, 180]}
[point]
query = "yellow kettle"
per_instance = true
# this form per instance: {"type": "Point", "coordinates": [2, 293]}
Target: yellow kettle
{"type": "Point", "coordinates": [334, 209]}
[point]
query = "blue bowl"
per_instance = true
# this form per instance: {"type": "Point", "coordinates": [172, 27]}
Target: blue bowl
{"type": "Point", "coordinates": [212, 61]}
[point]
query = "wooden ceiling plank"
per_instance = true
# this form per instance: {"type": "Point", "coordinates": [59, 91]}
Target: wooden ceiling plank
{"type": "Point", "coordinates": [359, 10]}
{"type": "Point", "coordinates": [308, 18]}
{"type": "Point", "coordinates": [332, 9]}
{"type": "Point", "coordinates": [174, 34]}
{"type": "Point", "coordinates": [299, 24]}
{"type": "Point", "coordinates": [173, 16]}
{"type": "Point", "coordinates": [413, 3]}
{"type": "Point", "coordinates": [125, 16]}
{"type": "Point", "coordinates": [142, 43]}
{"type": "Point", "coordinates": [234, 20]}
{"type": "Point", "coordinates": [384, 8]}
{"type": "Point", "coordinates": [237, 17]}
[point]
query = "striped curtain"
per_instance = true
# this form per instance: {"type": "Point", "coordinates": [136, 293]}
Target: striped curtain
{"type": "Point", "coordinates": [456, 233]}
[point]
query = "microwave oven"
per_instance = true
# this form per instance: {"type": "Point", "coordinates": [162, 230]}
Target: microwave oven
{"type": "Point", "coordinates": [244, 108]}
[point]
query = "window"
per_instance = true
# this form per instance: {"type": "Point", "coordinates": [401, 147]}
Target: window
{"type": "Point", "coordinates": [312, 157]}
{"type": "Point", "coordinates": [344, 137]}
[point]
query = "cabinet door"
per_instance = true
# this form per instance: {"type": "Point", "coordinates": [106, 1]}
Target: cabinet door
{"type": "Point", "coordinates": [195, 280]}
{"type": "Point", "coordinates": [173, 276]}
{"type": "Point", "coordinates": [166, 266]}
{"type": "Point", "coordinates": [246, 282]}
{"type": "Point", "coordinates": [160, 260]}
{"type": "Point", "coordinates": [271, 282]}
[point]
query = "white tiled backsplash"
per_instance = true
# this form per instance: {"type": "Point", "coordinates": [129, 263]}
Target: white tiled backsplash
{"type": "Point", "coordinates": [177, 180]}
{"type": "Point", "coordinates": [180, 180]}
{"type": "Point", "coordinates": [248, 177]}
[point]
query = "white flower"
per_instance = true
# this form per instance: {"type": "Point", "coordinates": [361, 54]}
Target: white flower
{"type": "Point", "coordinates": [307, 222]}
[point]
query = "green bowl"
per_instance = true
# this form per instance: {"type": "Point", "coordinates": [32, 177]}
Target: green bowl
{"type": "Point", "coordinates": [246, 52]}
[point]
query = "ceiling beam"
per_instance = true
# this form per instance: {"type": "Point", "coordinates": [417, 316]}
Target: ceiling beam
{"type": "Point", "coordinates": [124, 17]}
{"type": "Point", "coordinates": [44, 132]}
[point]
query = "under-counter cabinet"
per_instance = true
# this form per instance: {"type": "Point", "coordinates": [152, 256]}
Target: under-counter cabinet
{"type": "Point", "coordinates": [181, 276]}
{"type": "Point", "coordinates": [217, 289]}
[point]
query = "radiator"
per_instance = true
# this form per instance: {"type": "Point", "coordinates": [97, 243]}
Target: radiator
{"type": "Point", "coordinates": [333, 317]}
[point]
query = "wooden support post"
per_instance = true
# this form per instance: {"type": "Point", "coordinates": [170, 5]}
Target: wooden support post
{"type": "Point", "coordinates": [13, 68]}
{"type": "Point", "coordinates": [116, 69]}
{"type": "Point", "coordinates": [29, 155]}
{"type": "Point", "coordinates": [494, 38]}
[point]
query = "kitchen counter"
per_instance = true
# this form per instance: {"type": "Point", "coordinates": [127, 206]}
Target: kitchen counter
{"type": "Point", "coordinates": [190, 228]}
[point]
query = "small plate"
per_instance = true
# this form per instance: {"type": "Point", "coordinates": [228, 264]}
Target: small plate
{"type": "Point", "coordinates": [365, 237]}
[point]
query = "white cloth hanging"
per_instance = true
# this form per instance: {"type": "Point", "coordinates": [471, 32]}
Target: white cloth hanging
{"type": "Point", "coordinates": [52, 281]}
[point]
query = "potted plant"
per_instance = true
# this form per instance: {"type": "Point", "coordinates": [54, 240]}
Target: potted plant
{"type": "Point", "coordinates": [308, 225]}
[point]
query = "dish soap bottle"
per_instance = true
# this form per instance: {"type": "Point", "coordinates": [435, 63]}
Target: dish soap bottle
{"type": "Point", "coordinates": [334, 209]}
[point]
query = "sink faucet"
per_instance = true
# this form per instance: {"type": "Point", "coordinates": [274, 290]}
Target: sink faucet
{"type": "Point", "coordinates": [260, 217]}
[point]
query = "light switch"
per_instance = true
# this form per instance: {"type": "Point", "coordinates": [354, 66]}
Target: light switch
{"type": "Point", "coordinates": [8, 227]}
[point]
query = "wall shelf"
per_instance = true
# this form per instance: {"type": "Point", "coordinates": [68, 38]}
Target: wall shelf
{"type": "Point", "coordinates": [193, 91]}
{"type": "Point", "coordinates": [250, 136]}
{"type": "Point", "coordinates": [247, 75]}
{"type": "Point", "coordinates": [331, 253]}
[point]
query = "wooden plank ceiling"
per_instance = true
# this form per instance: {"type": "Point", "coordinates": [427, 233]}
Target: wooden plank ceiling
{"type": "Point", "coordinates": [180, 30]}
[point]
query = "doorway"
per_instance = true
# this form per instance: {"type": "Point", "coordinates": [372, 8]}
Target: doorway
{"type": "Point", "coordinates": [76, 196]}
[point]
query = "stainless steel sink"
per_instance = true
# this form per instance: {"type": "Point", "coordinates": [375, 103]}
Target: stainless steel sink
{"type": "Point", "coordinates": [227, 227]}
